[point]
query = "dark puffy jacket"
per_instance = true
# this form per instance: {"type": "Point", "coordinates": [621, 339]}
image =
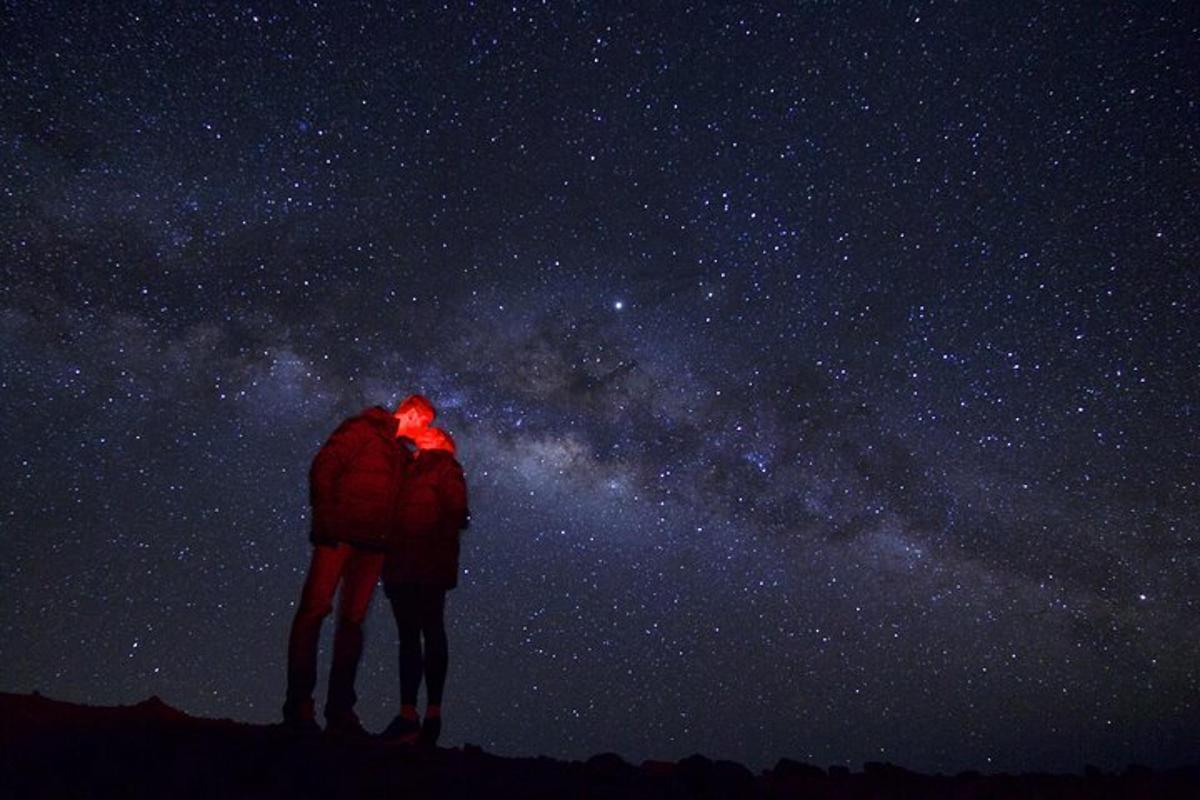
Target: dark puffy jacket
{"type": "Point", "coordinates": [355, 479]}
{"type": "Point", "coordinates": [432, 508]}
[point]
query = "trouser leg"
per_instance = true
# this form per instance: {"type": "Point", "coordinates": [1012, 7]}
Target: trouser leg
{"type": "Point", "coordinates": [316, 601]}
{"type": "Point", "coordinates": [358, 586]}
{"type": "Point", "coordinates": [408, 628]}
{"type": "Point", "coordinates": [437, 651]}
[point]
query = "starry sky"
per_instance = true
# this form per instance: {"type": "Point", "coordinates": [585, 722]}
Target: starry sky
{"type": "Point", "coordinates": [824, 373]}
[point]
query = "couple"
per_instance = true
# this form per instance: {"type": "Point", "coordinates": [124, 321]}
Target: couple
{"type": "Point", "coordinates": [388, 499]}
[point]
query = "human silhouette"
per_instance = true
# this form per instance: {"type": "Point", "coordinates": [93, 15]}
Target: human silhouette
{"type": "Point", "coordinates": [353, 487]}
{"type": "Point", "coordinates": [421, 567]}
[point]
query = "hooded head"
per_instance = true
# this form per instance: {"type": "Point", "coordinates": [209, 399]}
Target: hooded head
{"type": "Point", "coordinates": [414, 412]}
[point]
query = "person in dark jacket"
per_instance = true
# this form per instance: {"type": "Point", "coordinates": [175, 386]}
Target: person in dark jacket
{"type": "Point", "coordinates": [420, 568]}
{"type": "Point", "coordinates": [353, 487]}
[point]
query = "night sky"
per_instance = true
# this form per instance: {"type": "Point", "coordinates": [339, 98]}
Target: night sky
{"type": "Point", "coordinates": [825, 375]}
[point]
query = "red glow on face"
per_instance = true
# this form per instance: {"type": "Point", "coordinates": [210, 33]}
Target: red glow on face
{"type": "Point", "coordinates": [433, 439]}
{"type": "Point", "coordinates": [411, 420]}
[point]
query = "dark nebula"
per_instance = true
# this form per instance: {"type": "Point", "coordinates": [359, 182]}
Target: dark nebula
{"type": "Point", "coordinates": [824, 374]}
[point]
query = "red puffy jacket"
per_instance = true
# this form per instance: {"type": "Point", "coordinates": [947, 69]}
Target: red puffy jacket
{"type": "Point", "coordinates": [431, 510]}
{"type": "Point", "coordinates": [355, 479]}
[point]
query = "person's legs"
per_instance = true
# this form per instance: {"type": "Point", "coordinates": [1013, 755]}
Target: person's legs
{"type": "Point", "coordinates": [316, 601]}
{"type": "Point", "coordinates": [408, 628]}
{"type": "Point", "coordinates": [358, 585]}
{"type": "Point", "coordinates": [437, 659]}
{"type": "Point", "coordinates": [437, 651]}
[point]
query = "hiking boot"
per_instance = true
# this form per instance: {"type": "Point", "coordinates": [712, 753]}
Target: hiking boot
{"type": "Point", "coordinates": [430, 732]}
{"type": "Point", "coordinates": [299, 718]}
{"type": "Point", "coordinates": [403, 730]}
{"type": "Point", "coordinates": [345, 725]}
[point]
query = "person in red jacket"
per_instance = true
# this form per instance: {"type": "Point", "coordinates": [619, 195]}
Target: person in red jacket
{"type": "Point", "coordinates": [353, 485]}
{"type": "Point", "coordinates": [420, 568]}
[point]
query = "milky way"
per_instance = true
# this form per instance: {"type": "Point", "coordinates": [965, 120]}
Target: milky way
{"type": "Point", "coordinates": [824, 377]}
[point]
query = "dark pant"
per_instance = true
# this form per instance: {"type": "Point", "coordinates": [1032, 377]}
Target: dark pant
{"type": "Point", "coordinates": [420, 613]}
{"type": "Point", "coordinates": [357, 570]}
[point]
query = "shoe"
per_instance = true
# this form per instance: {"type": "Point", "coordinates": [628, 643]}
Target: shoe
{"type": "Point", "coordinates": [299, 718]}
{"type": "Point", "coordinates": [430, 732]}
{"type": "Point", "coordinates": [403, 730]}
{"type": "Point", "coordinates": [345, 725]}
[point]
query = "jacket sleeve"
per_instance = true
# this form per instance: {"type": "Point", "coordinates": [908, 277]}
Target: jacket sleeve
{"type": "Point", "coordinates": [454, 493]}
{"type": "Point", "coordinates": [331, 460]}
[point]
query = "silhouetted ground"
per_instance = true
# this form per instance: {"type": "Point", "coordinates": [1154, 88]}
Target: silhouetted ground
{"type": "Point", "coordinates": [54, 749]}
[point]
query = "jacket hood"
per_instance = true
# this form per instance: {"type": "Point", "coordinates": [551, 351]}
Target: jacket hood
{"type": "Point", "coordinates": [381, 418]}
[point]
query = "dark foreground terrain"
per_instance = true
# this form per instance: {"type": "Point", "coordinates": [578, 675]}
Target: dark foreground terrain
{"type": "Point", "coordinates": [54, 749]}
